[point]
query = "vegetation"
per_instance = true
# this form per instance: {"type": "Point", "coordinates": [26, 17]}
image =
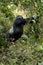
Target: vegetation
{"type": "Point", "coordinates": [28, 50]}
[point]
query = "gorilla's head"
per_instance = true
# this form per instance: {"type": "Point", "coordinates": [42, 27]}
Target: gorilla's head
{"type": "Point", "coordinates": [17, 29]}
{"type": "Point", "coordinates": [19, 20]}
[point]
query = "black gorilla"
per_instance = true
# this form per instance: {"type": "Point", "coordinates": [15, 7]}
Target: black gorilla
{"type": "Point", "coordinates": [17, 29]}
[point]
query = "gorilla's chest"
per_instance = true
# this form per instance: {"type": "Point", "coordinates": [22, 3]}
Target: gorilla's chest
{"type": "Point", "coordinates": [18, 31]}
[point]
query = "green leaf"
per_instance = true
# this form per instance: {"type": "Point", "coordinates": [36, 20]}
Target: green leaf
{"type": "Point", "coordinates": [39, 48]}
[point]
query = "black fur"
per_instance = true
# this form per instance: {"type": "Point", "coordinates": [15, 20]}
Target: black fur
{"type": "Point", "coordinates": [17, 29]}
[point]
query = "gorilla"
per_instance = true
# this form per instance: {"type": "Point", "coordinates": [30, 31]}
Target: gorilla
{"type": "Point", "coordinates": [34, 19]}
{"type": "Point", "coordinates": [16, 30]}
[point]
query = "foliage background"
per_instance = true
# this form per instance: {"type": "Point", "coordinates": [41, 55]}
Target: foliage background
{"type": "Point", "coordinates": [28, 50]}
